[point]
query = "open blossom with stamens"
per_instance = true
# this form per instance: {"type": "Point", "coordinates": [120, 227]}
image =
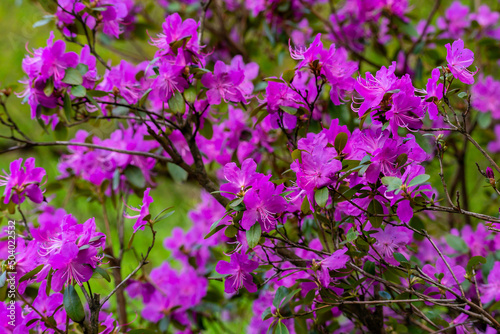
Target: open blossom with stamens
{"type": "Point", "coordinates": [263, 202]}
{"type": "Point", "coordinates": [390, 240]}
{"type": "Point", "coordinates": [239, 268]}
{"type": "Point", "coordinates": [23, 182]}
{"type": "Point", "coordinates": [169, 80]}
{"type": "Point", "coordinates": [406, 112]}
{"type": "Point", "coordinates": [459, 59]}
{"type": "Point", "coordinates": [240, 179]}
{"type": "Point", "coordinates": [224, 84]}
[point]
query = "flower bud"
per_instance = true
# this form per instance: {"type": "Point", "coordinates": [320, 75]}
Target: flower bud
{"type": "Point", "coordinates": [489, 173]}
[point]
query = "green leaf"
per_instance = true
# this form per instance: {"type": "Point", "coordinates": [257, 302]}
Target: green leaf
{"type": "Point", "coordinates": [305, 206]}
{"type": "Point", "coordinates": [289, 110]}
{"type": "Point", "coordinates": [177, 104]}
{"type": "Point", "coordinates": [104, 274]}
{"type": "Point", "coordinates": [253, 235]}
{"type": "Point", "coordinates": [340, 142]}
{"type": "Point", "coordinates": [281, 328]}
{"type": "Point", "coordinates": [97, 93]}
{"type": "Point", "coordinates": [267, 314]}
{"type": "Point", "coordinates": [72, 77]}
{"type": "Point", "coordinates": [168, 213]}
{"type": "Point", "coordinates": [473, 262]}
{"type": "Point", "coordinates": [351, 235]}
{"type": "Point", "coordinates": [419, 179]}
{"type": "Point", "coordinates": [31, 273]}
{"type": "Point", "coordinates": [392, 183]}
{"type": "Point", "coordinates": [369, 267]}
{"type": "Point", "coordinates": [484, 120]}
{"type": "Point", "coordinates": [49, 88]}
{"type": "Point", "coordinates": [177, 173]}
{"type": "Point", "coordinates": [456, 243]}
{"type": "Point", "coordinates": [216, 227]}
{"type": "Point", "coordinates": [321, 196]}
{"type": "Point", "coordinates": [144, 97]}
{"type": "Point", "coordinates": [78, 91]}
{"type": "Point", "coordinates": [207, 131]}
{"type": "Point", "coordinates": [400, 257]}
{"type": "Point", "coordinates": [68, 108]}
{"type": "Point", "coordinates": [375, 208]}
{"type": "Point", "coordinates": [385, 295]}
{"type": "Point", "coordinates": [281, 293]}
{"type": "Point", "coordinates": [82, 68]}
{"type": "Point", "coordinates": [289, 297]}
{"type": "Point", "coordinates": [288, 75]}
{"type": "Point", "coordinates": [401, 159]}
{"type": "Point", "coordinates": [135, 176]}
{"type": "Point", "coordinates": [73, 304]}
{"type": "Point", "coordinates": [297, 155]}
{"type": "Point", "coordinates": [462, 95]}
{"type": "Point", "coordinates": [231, 231]}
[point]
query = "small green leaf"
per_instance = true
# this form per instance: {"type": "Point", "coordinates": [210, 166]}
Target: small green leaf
{"type": "Point", "coordinates": [104, 274]}
{"type": "Point", "coordinates": [392, 183]}
{"type": "Point", "coordinates": [281, 293]}
{"type": "Point", "coordinates": [253, 235]}
{"type": "Point", "coordinates": [288, 75]}
{"type": "Point", "coordinates": [82, 68]}
{"type": "Point", "coordinates": [305, 206]}
{"type": "Point", "coordinates": [321, 196]}
{"type": "Point", "coordinates": [385, 295]}
{"type": "Point", "coordinates": [267, 314]}
{"type": "Point", "coordinates": [289, 110]}
{"type": "Point", "coordinates": [68, 109]}
{"type": "Point", "coordinates": [49, 88]}
{"type": "Point", "coordinates": [231, 231]}
{"type": "Point", "coordinates": [281, 328]}
{"type": "Point", "coordinates": [340, 142]}
{"type": "Point", "coordinates": [177, 173]}
{"type": "Point", "coordinates": [73, 304]}
{"type": "Point", "coordinates": [78, 91]}
{"type": "Point", "coordinates": [462, 95]}
{"type": "Point", "coordinates": [207, 131]}
{"type": "Point", "coordinates": [400, 257]}
{"type": "Point", "coordinates": [31, 273]}
{"type": "Point", "coordinates": [135, 176]}
{"type": "Point", "coordinates": [375, 208]}
{"type": "Point", "coordinates": [419, 179]}
{"type": "Point", "coordinates": [72, 77]}
{"type": "Point", "coordinates": [456, 243]}
{"type": "Point", "coordinates": [473, 262]}
{"type": "Point", "coordinates": [177, 104]}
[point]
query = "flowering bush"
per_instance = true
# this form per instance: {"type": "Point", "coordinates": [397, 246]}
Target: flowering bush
{"type": "Point", "coordinates": [331, 201]}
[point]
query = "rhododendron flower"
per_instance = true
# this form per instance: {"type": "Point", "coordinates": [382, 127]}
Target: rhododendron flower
{"type": "Point", "coordinates": [239, 268]}
{"type": "Point", "coordinates": [23, 181]}
{"type": "Point", "coordinates": [491, 290]}
{"type": "Point", "coordinates": [459, 59]}
{"type": "Point", "coordinates": [405, 112]}
{"type": "Point", "coordinates": [263, 202]}
{"type": "Point", "coordinates": [434, 91]}
{"type": "Point", "coordinates": [72, 265]}
{"type": "Point", "coordinates": [373, 89]}
{"type": "Point", "coordinates": [174, 29]}
{"type": "Point", "coordinates": [240, 179]}
{"type": "Point", "coordinates": [335, 261]}
{"type": "Point", "coordinates": [455, 20]}
{"type": "Point", "coordinates": [224, 84]}
{"type": "Point", "coordinates": [169, 80]}
{"type": "Point", "coordinates": [141, 221]}
{"type": "Point", "coordinates": [485, 96]}
{"type": "Point", "coordinates": [391, 240]}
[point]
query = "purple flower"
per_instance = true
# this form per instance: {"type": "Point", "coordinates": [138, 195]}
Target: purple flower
{"type": "Point", "coordinates": [458, 60]}
{"type": "Point", "coordinates": [434, 91]}
{"type": "Point", "coordinates": [494, 145]}
{"type": "Point", "coordinates": [390, 240]}
{"type": "Point", "coordinates": [239, 268]}
{"type": "Point", "coordinates": [174, 29]}
{"type": "Point", "coordinates": [240, 179]}
{"type": "Point", "coordinates": [442, 268]}
{"type": "Point", "coordinates": [485, 96]}
{"type": "Point", "coordinates": [23, 182]}
{"type": "Point", "coordinates": [47, 306]}
{"type": "Point", "coordinates": [455, 20]}
{"type": "Point", "coordinates": [335, 261]}
{"type": "Point", "coordinates": [224, 84]}
{"type": "Point", "coordinates": [169, 80]}
{"type": "Point", "coordinates": [491, 290]}
{"type": "Point", "coordinates": [72, 265]}
{"type": "Point", "coordinates": [373, 89]}
{"type": "Point", "coordinates": [263, 201]}
{"type": "Point", "coordinates": [143, 212]}
{"type": "Point", "coordinates": [406, 112]}
{"type": "Point", "coordinates": [489, 173]}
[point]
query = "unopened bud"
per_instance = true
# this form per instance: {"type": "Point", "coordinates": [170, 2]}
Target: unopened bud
{"type": "Point", "coordinates": [489, 173]}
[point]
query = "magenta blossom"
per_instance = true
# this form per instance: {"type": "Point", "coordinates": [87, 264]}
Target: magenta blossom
{"type": "Point", "coordinates": [335, 261]}
{"type": "Point", "coordinates": [23, 182]}
{"type": "Point", "coordinates": [143, 212]}
{"type": "Point", "coordinates": [239, 268]}
{"type": "Point", "coordinates": [224, 84]}
{"type": "Point", "coordinates": [491, 290]}
{"type": "Point", "coordinates": [263, 202]}
{"type": "Point", "coordinates": [459, 59]}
